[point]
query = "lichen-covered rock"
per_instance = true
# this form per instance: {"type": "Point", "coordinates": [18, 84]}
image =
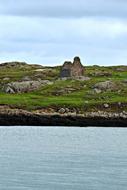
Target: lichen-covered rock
{"type": "Point", "coordinates": [61, 111]}
{"type": "Point", "coordinates": [106, 86]}
{"type": "Point", "coordinates": [24, 86]}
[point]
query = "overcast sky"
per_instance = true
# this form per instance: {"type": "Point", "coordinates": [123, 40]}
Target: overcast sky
{"type": "Point", "coordinates": [49, 32]}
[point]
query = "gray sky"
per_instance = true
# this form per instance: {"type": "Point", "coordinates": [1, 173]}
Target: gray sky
{"type": "Point", "coordinates": [49, 32]}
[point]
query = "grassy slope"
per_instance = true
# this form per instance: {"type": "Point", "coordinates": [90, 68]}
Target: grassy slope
{"type": "Point", "coordinates": [45, 96]}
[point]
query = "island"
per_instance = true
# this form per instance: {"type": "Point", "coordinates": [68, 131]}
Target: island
{"type": "Point", "coordinates": [72, 94]}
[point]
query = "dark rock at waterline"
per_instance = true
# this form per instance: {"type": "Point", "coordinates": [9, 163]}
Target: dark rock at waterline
{"type": "Point", "coordinates": [60, 120]}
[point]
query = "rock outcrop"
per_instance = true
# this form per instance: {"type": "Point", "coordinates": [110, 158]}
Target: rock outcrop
{"type": "Point", "coordinates": [106, 86]}
{"type": "Point", "coordinates": [72, 70]}
{"type": "Point", "coordinates": [19, 117]}
{"type": "Point", "coordinates": [25, 86]}
{"type": "Point", "coordinates": [13, 64]}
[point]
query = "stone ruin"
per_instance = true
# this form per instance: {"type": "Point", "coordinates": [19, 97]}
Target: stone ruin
{"type": "Point", "coordinates": [72, 70]}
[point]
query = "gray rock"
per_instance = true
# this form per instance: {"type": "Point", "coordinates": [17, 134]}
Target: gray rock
{"type": "Point", "coordinates": [6, 79]}
{"type": "Point", "coordinates": [125, 113]}
{"type": "Point", "coordinates": [97, 91]}
{"type": "Point", "coordinates": [106, 86]}
{"type": "Point", "coordinates": [62, 111]}
{"type": "Point", "coordinates": [106, 105]}
{"type": "Point", "coordinates": [20, 87]}
{"type": "Point", "coordinates": [24, 86]}
{"type": "Point", "coordinates": [9, 90]}
{"type": "Point", "coordinates": [67, 110]}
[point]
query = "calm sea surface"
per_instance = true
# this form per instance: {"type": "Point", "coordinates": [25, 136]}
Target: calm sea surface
{"type": "Point", "coordinates": [33, 158]}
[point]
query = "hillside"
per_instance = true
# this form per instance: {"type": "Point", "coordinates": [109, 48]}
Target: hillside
{"type": "Point", "coordinates": [88, 94]}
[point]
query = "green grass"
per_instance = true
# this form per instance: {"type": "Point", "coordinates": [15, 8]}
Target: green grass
{"type": "Point", "coordinates": [77, 99]}
{"type": "Point", "coordinates": [45, 97]}
{"type": "Point", "coordinates": [31, 101]}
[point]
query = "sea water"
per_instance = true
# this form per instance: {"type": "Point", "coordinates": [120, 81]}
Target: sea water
{"type": "Point", "coordinates": [58, 158]}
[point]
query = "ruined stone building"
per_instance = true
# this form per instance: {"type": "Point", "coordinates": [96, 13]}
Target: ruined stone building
{"type": "Point", "coordinates": [72, 70]}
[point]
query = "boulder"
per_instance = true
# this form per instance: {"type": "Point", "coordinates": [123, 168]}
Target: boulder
{"type": "Point", "coordinates": [61, 111]}
{"type": "Point", "coordinates": [24, 86]}
{"type": "Point", "coordinates": [106, 105]}
{"type": "Point", "coordinates": [106, 86]}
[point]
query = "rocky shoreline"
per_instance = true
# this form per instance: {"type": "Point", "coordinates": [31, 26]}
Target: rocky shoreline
{"type": "Point", "coordinates": [19, 117]}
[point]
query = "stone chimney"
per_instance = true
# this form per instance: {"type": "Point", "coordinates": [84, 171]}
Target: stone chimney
{"type": "Point", "coordinates": [77, 69]}
{"type": "Point", "coordinates": [72, 70]}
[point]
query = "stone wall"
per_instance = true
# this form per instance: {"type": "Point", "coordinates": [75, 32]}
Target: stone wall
{"type": "Point", "coordinates": [74, 69]}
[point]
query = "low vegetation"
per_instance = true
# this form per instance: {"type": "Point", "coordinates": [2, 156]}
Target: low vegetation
{"type": "Point", "coordinates": [66, 93]}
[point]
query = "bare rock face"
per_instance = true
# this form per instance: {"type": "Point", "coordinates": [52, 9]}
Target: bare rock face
{"type": "Point", "coordinates": [72, 70]}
